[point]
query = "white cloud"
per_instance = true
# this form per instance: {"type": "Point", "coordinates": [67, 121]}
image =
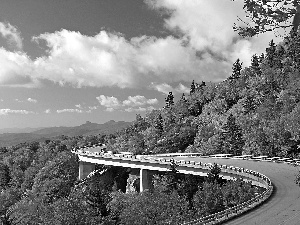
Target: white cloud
{"type": "Point", "coordinates": [32, 100]}
{"type": "Point", "coordinates": [207, 25]}
{"type": "Point", "coordinates": [16, 70]}
{"type": "Point", "coordinates": [133, 102]}
{"type": "Point", "coordinates": [109, 102]}
{"type": "Point", "coordinates": [78, 106]}
{"type": "Point", "coordinates": [18, 100]}
{"type": "Point", "coordinates": [139, 100]}
{"type": "Point", "coordinates": [69, 111]}
{"type": "Point", "coordinates": [140, 109]}
{"type": "Point", "coordinates": [12, 34]}
{"type": "Point", "coordinates": [166, 88]}
{"type": "Point", "coordinates": [4, 112]}
{"type": "Point", "coordinates": [204, 50]}
{"type": "Point", "coordinates": [47, 111]}
{"type": "Point", "coordinates": [182, 89]}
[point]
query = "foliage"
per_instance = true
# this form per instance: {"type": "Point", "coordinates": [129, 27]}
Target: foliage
{"type": "Point", "coordinates": [266, 15]}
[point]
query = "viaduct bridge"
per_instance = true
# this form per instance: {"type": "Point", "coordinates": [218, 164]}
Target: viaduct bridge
{"type": "Point", "coordinates": [282, 208]}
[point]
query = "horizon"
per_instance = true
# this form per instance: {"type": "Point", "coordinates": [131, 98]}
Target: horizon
{"type": "Point", "coordinates": [64, 63]}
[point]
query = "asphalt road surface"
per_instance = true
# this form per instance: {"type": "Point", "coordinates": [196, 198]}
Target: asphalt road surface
{"type": "Point", "coordinates": [283, 207]}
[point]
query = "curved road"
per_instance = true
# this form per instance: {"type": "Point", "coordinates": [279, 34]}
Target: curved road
{"type": "Point", "coordinates": [283, 207]}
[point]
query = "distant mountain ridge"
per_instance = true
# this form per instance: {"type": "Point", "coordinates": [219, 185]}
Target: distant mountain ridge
{"type": "Point", "coordinates": [15, 136]}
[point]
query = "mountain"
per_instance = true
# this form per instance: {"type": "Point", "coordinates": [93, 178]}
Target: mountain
{"type": "Point", "coordinates": [40, 134]}
{"type": "Point", "coordinates": [19, 130]}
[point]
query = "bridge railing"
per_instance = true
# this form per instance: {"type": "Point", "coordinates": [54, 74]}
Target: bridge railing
{"type": "Point", "coordinates": [229, 213]}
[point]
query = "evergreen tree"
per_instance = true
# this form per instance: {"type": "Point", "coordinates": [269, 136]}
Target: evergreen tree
{"type": "Point", "coordinates": [159, 123]}
{"type": "Point", "coordinates": [193, 88]}
{"type": "Point", "coordinates": [236, 70]}
{"type": "Point", "coordinates": [249, 104]}
{"type": "Point", "coordinates": [232, 137]}
{"type": "Point", "coordinates": [255, 65]}
{"type": "Point", "coordinates": [271, 53]}
{"type": "Point", "coordinates": [169, 100]}
{"type": "Point", "coordinates": [214, 174]}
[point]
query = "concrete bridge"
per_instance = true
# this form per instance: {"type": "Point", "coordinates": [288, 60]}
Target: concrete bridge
{"type": "Point", "coordinates": [146, 166]}
{"type": "Point", "coordinates": [282, 208]}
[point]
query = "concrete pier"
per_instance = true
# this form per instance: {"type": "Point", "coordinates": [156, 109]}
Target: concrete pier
{"type": "Point", "coordinates": [85, 168]}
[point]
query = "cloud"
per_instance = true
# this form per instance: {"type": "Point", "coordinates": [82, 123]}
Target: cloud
{"type": "Point", "coordinates": [166, 88]}
{"type": "Point", "coordinates": [140, 109]}
{"type": "Point", "coordinates": [18, 100]}
{"type": "Point", "coordinates": [110, 103]}
{"type": "Point", "coordinates": [132, 103]}
{"type": "Point", "coordinates": [47, 111]}
{"type": "Point", "coordinates": [203, 48]}
{"type": "Point", "coordinates": [32, 100]}
{"type": "Point", "coordinates": [139, 100]}
{"type": "Point", "coordinates": [17, 70]}
{"type": "Point", "coordinates": [69, 111]}
{"type": "Point", "coordinates": [207, 27]}
{"type": "Point", "coordinates": [4, 112]}
{"type": "Point", "coordinates": [182, 89]}
{"type": "Point", "coordinates": [12, 34]}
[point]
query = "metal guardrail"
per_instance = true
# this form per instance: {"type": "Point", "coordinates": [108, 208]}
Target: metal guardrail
{"type": "Point", "coordinates": [229, 213]}
{"type": "Point", "coordinates": [213, 218]}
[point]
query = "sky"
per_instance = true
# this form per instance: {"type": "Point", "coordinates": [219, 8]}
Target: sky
{"type": "Point", "coordinates": [63, 63]}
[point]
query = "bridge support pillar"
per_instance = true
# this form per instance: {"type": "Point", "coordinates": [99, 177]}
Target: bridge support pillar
{"type": "Point", "coordinates": [145, 179]}
{"type": "Point", "coordinates": [85, 168]}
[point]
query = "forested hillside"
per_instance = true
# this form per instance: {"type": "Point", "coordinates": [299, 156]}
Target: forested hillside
{"type": "Point", "coordinates": [255, 111]}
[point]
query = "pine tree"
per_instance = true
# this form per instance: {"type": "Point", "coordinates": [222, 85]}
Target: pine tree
{"type": "Point", "coordinates": [193, 88]}
{"type": "Point", "coordinates": [169, 100]}
{"type": "Point", "coordinates": [232, 137]}
{"type": "Point", "coordinates": [255, 65]}
{"type": "Point", "coordinates": [271, 53]}
{"type": "Point", "coordinates": [159, 123]}
{"type": "Point", "coordinates": [236, 70]}
{"type": "Point", "coordinates": [249, 104]}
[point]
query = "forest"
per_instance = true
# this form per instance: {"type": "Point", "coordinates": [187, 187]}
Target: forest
{"type": "Point", "coordinates": [256, 110]}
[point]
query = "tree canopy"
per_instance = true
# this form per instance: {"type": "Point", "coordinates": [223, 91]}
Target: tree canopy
{"type": "Point", "coordinates": [266, 15]}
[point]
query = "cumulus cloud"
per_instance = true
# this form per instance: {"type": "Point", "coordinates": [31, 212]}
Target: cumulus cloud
{"type": "Point", "coordinates": [32, 100]}
{"type": "Point", "coordinates": [110, 103]}
{"type": "Point", "coordinates": [69, 111]}
{"type": "Point", "coordinates": [166, 88]}
{"type": "Point", "coordinates": [47, 111]}
{"type": "Point", "coordinates": [4, 112]}
{"type": "Point", "coordinates": [140, 109]}
{"type": "Point", "coordinates": [17, 70]}
{"type": "Point", "coordinates": [132, 103]}
{"type": "Point", "coordinates": [204, 49]}
{"type": "Point", "coordinates": [139, 100]}
{"type": "Point", "coordinates": [12, 34]}
{"type": "Point", "coordinates": [207, 25]}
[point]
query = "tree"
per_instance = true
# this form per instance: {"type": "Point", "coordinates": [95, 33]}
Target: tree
{"type": "Point", "coordinates": [270, 56]}
{"type": "Point", "coordinates": [214, 175]}
{"type": "Point", "coordinates": [169, 100]}
{"type": "Point", "coordinates": [255, 65]}
{"type": "Point", "coordinates": [266, 15]}
{"type": "Point", "coordinates": [4, 175]}
{"type": "Point", "coordinates": [236, 70]}
{"type": "Point", "coordinates": [193, 88]}
{"type": "Point", "coordinates": [232, 137]}
{"type": "Point", "coordinates": [148, 208]}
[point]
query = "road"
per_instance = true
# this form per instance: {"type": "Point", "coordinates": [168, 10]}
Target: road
{"type": "Point", "coordinates": [284, 205]}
